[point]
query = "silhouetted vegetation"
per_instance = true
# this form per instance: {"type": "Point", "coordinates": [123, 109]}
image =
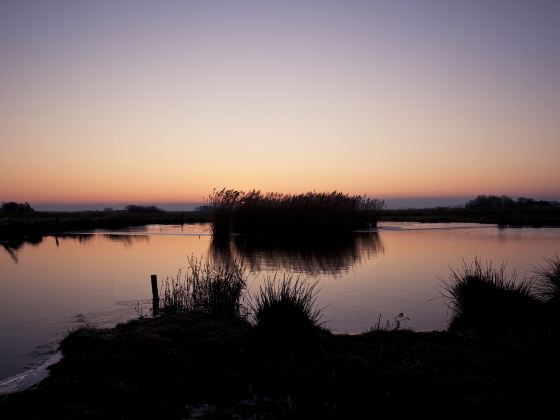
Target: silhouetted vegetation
{"type": "Point", "coordinates": [547, 279]}
{"type": "Point", "coordinates": [505, 202]}
{"type": "Point", "coordinates": [215, 288]}
{"type": "Point", "coordinates": [133, 208]}
{"type": "Point", "coordinates": [286, 309]}
{"type": "Point", "coordinates": [482, 297]}
{"type": "Point", "coordinates": [210, 363]}
{"type": "Point", "coordinates": [277, 214]}
{"type": "Point", "coordinates": [16, 208]}
{"type": "Point", "coordinates": [201, 366]}
{"type": "Point", "coordinates": [500, 210]}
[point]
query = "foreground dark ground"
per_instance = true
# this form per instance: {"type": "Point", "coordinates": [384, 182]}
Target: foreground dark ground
{"type": "Point", "coordinates": [199, 366]}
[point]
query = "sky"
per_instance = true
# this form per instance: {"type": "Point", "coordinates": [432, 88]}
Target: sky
{"type": "Point", "coordinates": [163, 101]}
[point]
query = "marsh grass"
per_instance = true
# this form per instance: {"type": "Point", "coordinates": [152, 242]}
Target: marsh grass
{"type": "Point", "coordinates": [286, 307]}
{"type": "Point", "coordinates": [547, 280]}
{"type": "Point", "coordinates": [547, 285]}
{"type": "Point", "coordinates": [395, 325]}
{"type": "Point", "coordinates": [483, 297]}
{"type": "Point", "coordinates": [276, 214]}
{"type": "Point", "coordinates": [215, 288]}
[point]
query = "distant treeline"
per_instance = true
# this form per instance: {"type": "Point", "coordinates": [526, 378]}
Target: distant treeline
{"type": "Point", "coordinates": [504, 201]}
{"type": "Point", "coordinates": [500, 210]}
{"type": "Point", "coordinates": [37, 223]}
{"type": "Point", "coordinates": [12, 207]}
{"type": "Point", "coordinates": [133, 208]}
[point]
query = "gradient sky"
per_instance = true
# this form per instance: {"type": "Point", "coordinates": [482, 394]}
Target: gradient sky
{"type": "Point", "coordinates": [163, 101]}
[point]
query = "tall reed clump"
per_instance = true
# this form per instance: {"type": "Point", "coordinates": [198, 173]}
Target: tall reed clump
{"type": "Point", "coordinates": [315, 213]}
{"type": "Point", "coordinates": [547, 283]}
{"type": "Point", "coordinates": [482, 297]}
{"type": "Point", "coordinates": [216, 288]}
{"type": "Point", "coordinates": [286, 308]}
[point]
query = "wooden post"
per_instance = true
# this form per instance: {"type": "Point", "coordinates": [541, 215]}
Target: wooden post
{"type": "Point", "coordinates": [155, 295]}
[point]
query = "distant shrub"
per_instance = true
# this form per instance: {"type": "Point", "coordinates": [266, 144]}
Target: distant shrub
{"type": "Point", "coordinates": [286, 308]}
{"type": "Point", "coordinates": [494, 202]}
{"type": "Point", "coordinates": [12, 207]}
{"type": "Point", "coordinates": [482, 297]}
{"type": "Point", "coordinates": [133, 208]}
{"type": "Point", "coordinates": [260, 213]}
{"type": "Point", "coordinates": [489, 201]}
{"type": "Point", "coordinates": [215, 288]}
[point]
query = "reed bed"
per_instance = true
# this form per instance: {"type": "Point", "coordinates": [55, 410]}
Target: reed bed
{"type": "Point", "coordinates": [206, 287]}
{"type": "Point", "coordinates": [254, 212]}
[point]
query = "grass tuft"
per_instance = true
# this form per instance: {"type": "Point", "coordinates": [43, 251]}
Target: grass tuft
{"type": "Point", "coordinates": [287, 307]}
{"type": "Point", "coordinates": [547, 280]}
{"type": "Point", "coordinates": [482, 297]}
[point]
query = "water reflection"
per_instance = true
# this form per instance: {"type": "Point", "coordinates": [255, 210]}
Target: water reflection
{"type": "Point", "coordinates": [78, 237]}
{"type": "Point", "coordinates": [84, 238]}
{"type": "Point", "coordinates": [12, 246]}
{"type": "Point", "coordinates": [304, 255]}
{"type": "Point", "coordinates": [126, 240]}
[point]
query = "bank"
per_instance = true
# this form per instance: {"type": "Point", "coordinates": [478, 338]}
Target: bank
{"type": "Point", "coordinates": [201, 366]}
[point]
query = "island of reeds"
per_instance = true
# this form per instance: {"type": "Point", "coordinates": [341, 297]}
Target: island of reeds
{"type": "Point", "coordinates": [217, 351]}
{"type": "Point", "coordinates": [275, 214]}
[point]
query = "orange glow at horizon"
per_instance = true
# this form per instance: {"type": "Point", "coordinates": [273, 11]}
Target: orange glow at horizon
{"type": "Point", "coordinates": [165, 107]}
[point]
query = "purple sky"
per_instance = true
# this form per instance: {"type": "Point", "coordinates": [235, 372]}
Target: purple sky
{"type": "Point", "coordinates": [129, 101]}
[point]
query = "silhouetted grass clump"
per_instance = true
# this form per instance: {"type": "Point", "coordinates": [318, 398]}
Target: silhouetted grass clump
{"type": "Point", "coordinates": [206, 287]}
{"type": "Point", "coordinates": [286, 308]}
{"type": "Point", "coordinates": [255, 212]}
{"type": "Point", "coordinates": [547, 283]}
{"type": "Point", "coordinates": [485, 298]}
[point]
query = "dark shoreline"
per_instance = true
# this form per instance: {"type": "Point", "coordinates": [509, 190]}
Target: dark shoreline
{"type": "Point", "coordinates": [180, 365]}
{"type": "Point", "coordinates": [531, 217]}
{"type": "Point", "coordinates": [13, 227]}
{"type": "Point", "coordinates": [17, 227]}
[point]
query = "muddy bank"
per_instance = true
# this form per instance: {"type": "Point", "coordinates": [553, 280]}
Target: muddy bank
{"type": "Point", "coordinates": [199, 366]}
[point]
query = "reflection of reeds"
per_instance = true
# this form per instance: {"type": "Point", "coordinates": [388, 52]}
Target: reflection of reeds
{"type": "Point", "coordinates": [205, 287]}
{"type": "Point", "coordinates": [300, 254]}
{"type": "Point", "coordinates": [277, 214]}
{"type": "Point", "coordinates": [127, 240]}
{"type": "Point", "coordinates": [79, 237]}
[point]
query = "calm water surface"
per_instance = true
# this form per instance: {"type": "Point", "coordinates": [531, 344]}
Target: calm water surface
{"type": "Point", "coordinates": [61, 283]}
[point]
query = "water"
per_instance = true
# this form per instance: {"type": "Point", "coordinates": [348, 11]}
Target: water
{"type": "Point", "coordinates": [61, 283]}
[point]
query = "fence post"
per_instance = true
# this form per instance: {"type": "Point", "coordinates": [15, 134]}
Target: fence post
{"type": "Point", "coordinates": [155, 295]}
